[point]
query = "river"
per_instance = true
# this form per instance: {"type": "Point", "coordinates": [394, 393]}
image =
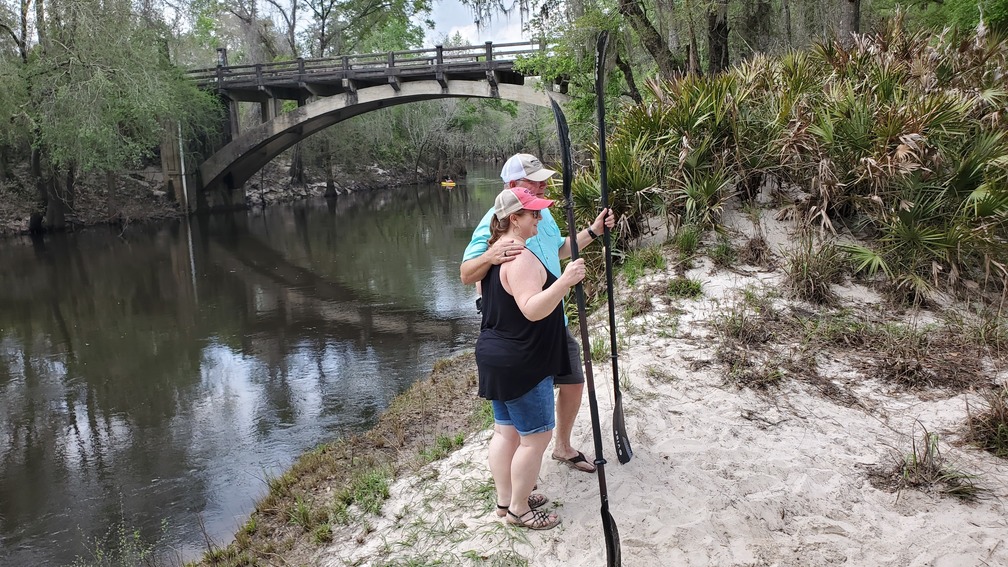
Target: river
{"type": "Point", "coordinates": [152, 378]}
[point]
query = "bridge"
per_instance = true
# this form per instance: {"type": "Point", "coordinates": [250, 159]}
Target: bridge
{"type": "Point", "coordinates": [327, 91]}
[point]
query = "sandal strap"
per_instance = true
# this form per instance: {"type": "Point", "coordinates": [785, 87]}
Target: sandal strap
{"type": "Point", "coordinates": [539, 518]}
{"type": "Point", "coordinates": [534, 501]}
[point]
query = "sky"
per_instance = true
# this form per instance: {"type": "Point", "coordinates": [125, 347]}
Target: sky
{"type": "Point", "coordinates": [451, 16]}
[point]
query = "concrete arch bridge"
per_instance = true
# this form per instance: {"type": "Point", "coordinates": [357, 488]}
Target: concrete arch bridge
{"type": "Point", "coordinates": [328, 91]}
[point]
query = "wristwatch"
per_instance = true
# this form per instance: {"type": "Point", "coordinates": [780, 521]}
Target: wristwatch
{"type": "Point", "coordinates": [591, 233]}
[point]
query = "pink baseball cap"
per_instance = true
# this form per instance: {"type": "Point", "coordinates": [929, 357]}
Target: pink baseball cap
{"type": "Point", "coordinates": [517, 198]}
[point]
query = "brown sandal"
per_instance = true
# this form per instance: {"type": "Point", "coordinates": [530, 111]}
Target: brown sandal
{"type": "Point", "coordinates": [534, 501]}
{"type": "Point", "coordinates": [539, 520]}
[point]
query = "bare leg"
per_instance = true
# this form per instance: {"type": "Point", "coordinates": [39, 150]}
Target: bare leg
{"type": "Point", "coordinates": [502, 450]}
{"type": "Point", "coordinates": [568, 402]}
{"type": "Point", "coordinates": [525, 469]}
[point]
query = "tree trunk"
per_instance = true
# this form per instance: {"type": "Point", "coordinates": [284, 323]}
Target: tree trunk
{"type": "Point", "coordinates": [786, 8]}
{"type": "Point", "coordinates": [60, 199]}
{"type": "Point", "coordinates": [851, 23]}
{"type": "Point", "coordinates": [297, 171]}
{"type": "Point", "coordinates": [111, 203]}
{"type": "Point", "coordinates": [693, 65]}
{"type": "Point", "coordinates": [668, 65]}
{"type": "Point", "coordinates": [717, 37]}
{"type": "Point", "coordinates": [330, 185]}
{"type": "Point", "coordinates": [757, 24]}
{"type": "Point", "coordinates": [55, 212]}
{"type": "Point", "coordinates": [629, 78]}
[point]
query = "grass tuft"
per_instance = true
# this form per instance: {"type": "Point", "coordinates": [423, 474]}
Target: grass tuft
{"type": "Point", "coordinates": [687, 240]}
{"type": "Point", "coordinates": [724, 254]}
{"type": "Point", "coordinates": [600, 349]}
{"type": "Point", "coordinates": [443, 446]}
{"type": "Point", "coordinates": [639, 261]}
{"type": "Point", "coordinates": [300, 514]}
{"type": "Point", "coordinates": [988, 429]}
{"type": "Point", "coordinates": [121, 547]}
{"type": "Point", "coordinates": [637, 304]}
{"type": "Point", "coordinates": [683, 288]}
{"type": "Point", "coordinates": [756, 252]}
{"type": "Point", "coordinates": [369, 490]}
{"type": "Point", "coordinates": [924, 468]}
{"type": "Point", "coordinates": [811, 270]}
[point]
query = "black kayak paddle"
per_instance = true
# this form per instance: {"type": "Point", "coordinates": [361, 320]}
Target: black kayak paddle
{"type": "Point", "coordinates": [608, 525]}
{"type": "Point", "coordinates": [623, 451]}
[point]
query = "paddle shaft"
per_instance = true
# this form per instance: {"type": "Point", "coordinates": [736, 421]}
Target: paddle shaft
{"type": "Point", "coordinates": [623, 450]}
{"type": "Point", "coordinates": [613, 555]}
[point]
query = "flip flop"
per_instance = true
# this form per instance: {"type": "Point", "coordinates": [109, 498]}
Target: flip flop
{"type": "Point", "coordinates": [574, 461]}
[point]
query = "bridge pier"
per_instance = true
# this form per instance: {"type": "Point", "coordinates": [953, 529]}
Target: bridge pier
{"type": "Point", "coordinates": [182, 181]}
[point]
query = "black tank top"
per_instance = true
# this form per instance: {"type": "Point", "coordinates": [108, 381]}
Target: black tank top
{"type": "Point", "coordinates": [514, 354]}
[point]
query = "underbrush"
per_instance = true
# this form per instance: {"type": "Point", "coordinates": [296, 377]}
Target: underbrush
{"type": "Point", "coordinates": [988, 427]}
{"type": "Point", "coordinates": [923, 467]}
{"type": "Point", "coordinates": [904, 356]}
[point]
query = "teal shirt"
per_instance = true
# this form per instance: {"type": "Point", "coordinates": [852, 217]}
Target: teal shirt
{"type": "Point", "coordinates": [545, 244]}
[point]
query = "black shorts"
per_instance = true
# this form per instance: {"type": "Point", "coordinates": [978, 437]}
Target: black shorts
{"type": "Point", "coordinates": [577, 371]}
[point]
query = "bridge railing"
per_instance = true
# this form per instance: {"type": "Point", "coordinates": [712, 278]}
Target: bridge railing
{"type": "Point", "coordinates": [348, 66]}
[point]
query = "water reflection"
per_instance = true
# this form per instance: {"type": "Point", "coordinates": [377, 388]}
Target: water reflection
{"type": "Point", "coordinates": [164, 373]}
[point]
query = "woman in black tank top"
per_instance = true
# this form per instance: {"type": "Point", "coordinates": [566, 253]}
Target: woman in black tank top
{"type": "Point", "coordinates": [522, 343]}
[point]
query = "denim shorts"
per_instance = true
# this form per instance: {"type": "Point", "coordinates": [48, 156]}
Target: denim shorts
{"type": "Point", "coordinates": [531, 413]}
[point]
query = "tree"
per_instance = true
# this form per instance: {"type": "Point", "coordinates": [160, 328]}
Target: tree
{"type": "Point", "coordinates": [96, 93]}
{"type": "Point", "coordinates": [717, 36]}
{"type": "Point", "coordinates": [851, 18]}
{"type": "Point", "coordinates": [633, 12]}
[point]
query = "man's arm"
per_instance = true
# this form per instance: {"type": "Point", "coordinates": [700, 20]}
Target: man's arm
{"type": "Point", "coordinates": [584, 237]}
{"type": "Point", "coordinates": [478, 256]}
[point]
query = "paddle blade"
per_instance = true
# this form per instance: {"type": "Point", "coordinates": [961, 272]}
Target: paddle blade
{"type": "Point", "coordinates": [623, 450]}
{"type": "Point", "coordinates": [613, 555]}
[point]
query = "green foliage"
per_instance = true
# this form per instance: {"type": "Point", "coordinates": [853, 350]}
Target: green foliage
{"type": "Point", "coordinates": [369, 490]}
{"type": "Point", "coordinates": [723, 253]}
{"type": "Point", "coordinates": [393, 34]}
{"type": "Point", "coordinates": [684, 287]}
{"type": "Point", "coordinates": [600, 349]}
{"type": "Point", "coordinates": [443, 446]}
{"type": "Point", "coordinates": [90, 108]}
{"type": "Point", "coordinates": [687, 240]}
{"type": "Point", "coordinates": [924, 467]}
{"type": "Point", "coordinates": [898, 135]}
{"type": "Point", "coordinates": [640, 260]}
{"type": "Point", "coordinates": [300, 514]}
{"type": "Point", "coordinates": [121, 547]}
{"type": "Point", "coordinates": [960, 13]}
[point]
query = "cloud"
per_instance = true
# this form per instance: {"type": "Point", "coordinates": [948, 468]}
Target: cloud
{"type": "Point", "coordinates": [450, 16]}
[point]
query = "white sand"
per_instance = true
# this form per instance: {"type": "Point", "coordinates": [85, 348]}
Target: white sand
{"type": "Point", "coordinates": [720, 475]}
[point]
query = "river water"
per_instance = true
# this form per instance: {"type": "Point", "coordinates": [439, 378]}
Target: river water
{"type": "Point", "coordinates": [153, 378]}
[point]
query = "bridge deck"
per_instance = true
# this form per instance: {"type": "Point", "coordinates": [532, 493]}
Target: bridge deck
{"type": "Point", "coordinates": [304, 78]}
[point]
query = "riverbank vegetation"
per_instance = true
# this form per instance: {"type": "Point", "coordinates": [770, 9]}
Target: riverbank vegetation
{"type": "Point", "coordinates": [891, 149]}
